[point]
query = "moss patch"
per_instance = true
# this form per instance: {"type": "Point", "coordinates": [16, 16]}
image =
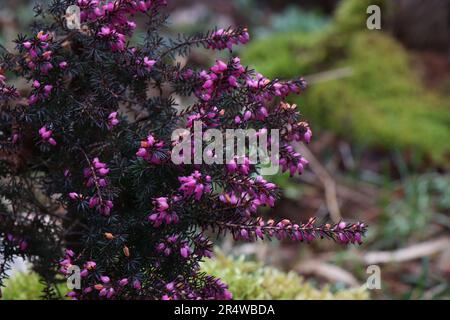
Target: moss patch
{"type": "Point", "coordinates": [252, 280]}
{"type": "Point", "coordinates": [382, 104]}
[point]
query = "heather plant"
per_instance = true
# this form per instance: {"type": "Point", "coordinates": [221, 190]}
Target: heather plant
{"type": "Point", "coordinates": [86, 173]}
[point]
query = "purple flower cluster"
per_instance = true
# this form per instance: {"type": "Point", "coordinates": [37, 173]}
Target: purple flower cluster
{"type": "Point", "coordinates": [221, 76]}
{"type": "Point", "coordinates": [226, 39]}
{"type": "Point", "coordinates": [46, 135]}
{"type": "Point", "coordinates": [342, 232]}
{"type": "Point", "coordinates": [162, 212]}
{"type": "Point", "coordinates": [195, 185]}
{"type": "Point", "coordinates": [103, 285]}
{"type": "Point", "coordinates": [114, 17]}
{"type": "Point", "coordinates": [151, 150]}
{"type": "Point", "coordinates": [95, 179]}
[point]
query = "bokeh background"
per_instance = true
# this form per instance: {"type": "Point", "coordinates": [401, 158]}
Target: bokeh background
{"type": "Point", "coordinates": [379, 105]}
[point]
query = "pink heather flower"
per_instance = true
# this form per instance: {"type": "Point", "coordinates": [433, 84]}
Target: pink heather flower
{"type": "Point", "coordinates": [63, 65]}
{"type": "Point", "coordinates": [102, 182]}
{"type": "Point", "coordinates": [33, 99]}
{"type": "Point", "coordinates": [244, 234]}
{"type": "Point", "coordinates": [172, 238]}
{"type": "Point", "coordinates": [307, 136]}
{"type": "Point", "coordinates": [170, 286]}
{"type": "Point", "coordinates": [70, 253]}
{"type": "Point", "coordinates": [160, 247]}
{"type": "Point", "coordinates": [137, 285]}
{"type": "Point", "coordinates": [46, 67]}
{"type": "Point", "coordinates": [105, 31]}
{"type": "Point", "coordinates": [88, 290]}
{"type": "Point", "coordinates": [84, 273]}
{"type": "Point", "coordinates": [161, 203]}
{"type": "Point", "coordinates": [48, 88]}
{"type": "Point", "coordinates": [222, 39]}
{"type": "Point", "coordinates": [103, 292]}
{"type": "Point", "coordinates": [185, 251]}
{"type": "Point", "coordinates": [195, 185]}
{"type": "Point", "coordinates": [43, 36]}
{"type": "Point", "coordinates": [109, 6]}
{"type": "Point", "coordinates": [119, 45]}
{"type": "Point", "coordinates": [27, 45]}
{"type": "Point", "coordinates": [103, 171]}
{"type": "Point", "coordinates": [105, 279]}
{"type": "Point", "coordinates": [36, 84]}
{"type": "Point", "coordinates": [65, 263]}
{"type": "Point", "coordinates": [73, 195]}
{"type": "Point", "coordinates": [131, 24]}
{"type": "Point", "coordinates": [15, 138]}
{"type": "Point", "coordinates": [47, 135]}
{"type": "Point", "coordinates": [33, 53]}
{"type": "Point", "coordinates": [232, 166]}
{"type": "Point", "coordinates": [93, 202]}
{"type": "Point", "coordinates": [149, 150]}
{"type": "Point", "coordinates": [219, 67]}
{"type": "Point", "coordinates": [241, 165]}
{"type": "Point", "coordinates": [229, 198]}
{"type": "Point", "coordinates": [123, 282]}
{"type": "Point", "coordinates": [160, 214]}
{"type": "Point", "coordinates": [90, 265]}
{"type": "Point", "coordinates": [98, 164]}
{"type": "Point", "coordinates": [232, 81]}
{"type": "Point", "coordinates": [149, 63]}
{"type": "Point", "coordinates": [47, 55]}
{"type": "Point", "coordinates": [111, 293]}
{"type": "Point", "coordinates": [143, 6]}
{"type": "Point", "coordinates": [142, 153]}
{"type": "Point", "coordinates": [208, 84]}
{"type": "Point", "coordinates": [106, 207]}
{"type": "Point", "coordinates": [99, 12]}
{"type": "Point", "coordinates": [227, 295]}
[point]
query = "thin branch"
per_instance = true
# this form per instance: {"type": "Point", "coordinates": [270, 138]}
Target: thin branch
{"type": "Point", "coordinates": [327, 181]}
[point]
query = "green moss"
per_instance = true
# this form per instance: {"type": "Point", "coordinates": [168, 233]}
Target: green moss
{"type": "Point", "coordinates": [351, 15]}
{"type": "Point", "coordinates": [251, 280]}
{"type": "Point", "coordinates": [285, 54]}
{"type": "Point", "coordinates": [382, 104]}
{"type": "Point", "coordinates": [23, 286]}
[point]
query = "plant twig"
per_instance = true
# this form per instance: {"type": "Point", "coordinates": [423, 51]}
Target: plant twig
{"type": "Point", "coordinates": [415, 251]}
{"type": "Point", "coordinates": [327, 181]}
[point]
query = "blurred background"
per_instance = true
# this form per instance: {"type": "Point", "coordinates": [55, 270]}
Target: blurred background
{"type": "Point", "coordinates": [378, 103]}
